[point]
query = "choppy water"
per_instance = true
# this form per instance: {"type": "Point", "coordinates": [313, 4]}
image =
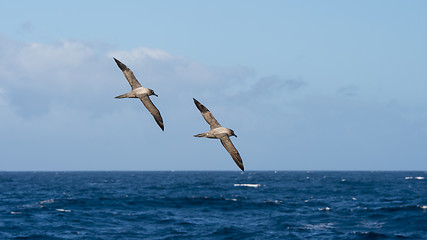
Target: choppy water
{"type": "Point", "coordinates": [213, 205]}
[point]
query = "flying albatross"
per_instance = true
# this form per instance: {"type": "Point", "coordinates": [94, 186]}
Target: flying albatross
{"type": "Point", "coordinates": [219, 132]}
{"type": "Point", "coordinates": [140, 92]}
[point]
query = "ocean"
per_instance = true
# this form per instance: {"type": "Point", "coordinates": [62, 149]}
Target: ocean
{"type": "Point", "coordinates": [213, 205]}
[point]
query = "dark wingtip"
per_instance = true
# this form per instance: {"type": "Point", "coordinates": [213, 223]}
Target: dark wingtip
{"type": "Point", "coordinates": [200, 106]}
{"type": "Point", "coordinates": [120, 64]}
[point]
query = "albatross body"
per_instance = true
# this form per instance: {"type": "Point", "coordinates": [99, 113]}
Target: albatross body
{"type": "Point", "coordinates": [140, 92]}
{"type": "Point", "coordinates": [219, 132]}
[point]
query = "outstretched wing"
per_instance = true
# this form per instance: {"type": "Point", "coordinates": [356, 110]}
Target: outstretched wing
{"type": "Point", "coordinates": [207, 115]}
{"type": "Point", "coordinates": [226, 142]}
{"type": "Point", "coordinates": [128, 74]}
{"type": "Point", "coordinates": [153, 110]}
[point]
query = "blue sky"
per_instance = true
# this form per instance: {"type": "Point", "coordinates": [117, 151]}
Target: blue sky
{"type": "Point", "coordinates": [306, 85]}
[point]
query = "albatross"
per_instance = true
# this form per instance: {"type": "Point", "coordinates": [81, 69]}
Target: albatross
{"type": "Point", "coordinates": [140, 92]}
{"type": "Point", "coordinates": [219, 132]}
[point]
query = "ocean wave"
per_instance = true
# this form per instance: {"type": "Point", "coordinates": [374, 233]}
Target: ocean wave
{"type": "Point", "coordinates": [369, 235]}
{"type": "Point", "coordinates": [232, 199]}
{"type": "Point", "coordinates": [417, 178]}
{"type": "Point", "coordinates": [62, 210]}
{"type": "Point", "coordinates": [274, 201]}
{"type": "Point", "coordinates": [403, 208]}
{"type": "Point", "coordinates": [49, 201]}
{"type": "Point", "coordinates": [318, 226]}
{"type": "Point", "coordinates": [39, 204]}
{"type": "Point", "coordinates": [378, 235]}
{"type": "Point", "coordinates": [230, 232]}
{"type": "Point", "coordinates": [247, 185]}
{"type": "Point", "coordinates": [35, 236]}
{"type": "Point", "coordinates": [188, 201]}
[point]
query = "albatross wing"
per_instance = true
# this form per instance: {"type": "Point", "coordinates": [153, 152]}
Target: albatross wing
{"type": "Point", "coordinates": [153, 110]}
{"type": "Point", "coordinates": [128, 74]}
{"type": "Point", "coordinates": [207, 115]}
{"type": "Point", "coordinates": [226, 142]}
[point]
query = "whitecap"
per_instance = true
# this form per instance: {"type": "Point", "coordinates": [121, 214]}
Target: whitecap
{"type": "Point", "coordinates": [318, 226]}
{"type": "Point", "coordinates": [47, 201]}
{"type": "Point", "coordinates": [247, 185]}
{"type": "Point", "coordinates": [423, 207]}
{"type": "Point", "coordinates": [372, 224]}
{"type": "Point", "coordinates": [15, 213]}
{"type": "Point", "coordinates": [324, 209]}
{"type": "Point", "coordinates": [231, 199]}
{"type": "Point", "coordinates": [62, 210]}
{"type": "Point", "coordinates": [418, 178]}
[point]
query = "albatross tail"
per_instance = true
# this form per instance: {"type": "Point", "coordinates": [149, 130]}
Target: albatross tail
{"type": "Point", "coordinates": [123, 96]}
{"type": "Point", "coordinates": [201, 135]}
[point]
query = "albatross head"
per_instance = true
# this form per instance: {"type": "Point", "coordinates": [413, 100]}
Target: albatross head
{"type": "Point", "coordinates": [152, 93]}
{"type": "Point", "coordinates": [232, 133]}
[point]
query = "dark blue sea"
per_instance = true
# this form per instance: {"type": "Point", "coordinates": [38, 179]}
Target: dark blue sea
{"type": "Point", "coordinates": [213, 205]}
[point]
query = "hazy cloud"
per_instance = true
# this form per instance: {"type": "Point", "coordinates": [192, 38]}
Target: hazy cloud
{"type": "Point", "coordinates": [272, 88]}
{"type": "Point", "coordinates": [349, 90]}
{"type": "Point", "coordinates": [275, 83]}
{"type": "Point", "coordinates": [27, 27]}
{"type": "Point", "coordinates": [2, 101]}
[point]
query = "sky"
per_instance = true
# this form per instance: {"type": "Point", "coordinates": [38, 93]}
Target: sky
{"type": "Point", "coordinates": [305, 85]}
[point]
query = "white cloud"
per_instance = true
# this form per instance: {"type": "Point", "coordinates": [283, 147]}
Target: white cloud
{"type": "Point", "coordinates": [38, 59]}
{"type": "Point", "coordinates": [141, 53]}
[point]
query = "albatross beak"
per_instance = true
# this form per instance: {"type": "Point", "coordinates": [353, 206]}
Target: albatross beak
{"type": "Point", "coordinates": [156, 95]}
